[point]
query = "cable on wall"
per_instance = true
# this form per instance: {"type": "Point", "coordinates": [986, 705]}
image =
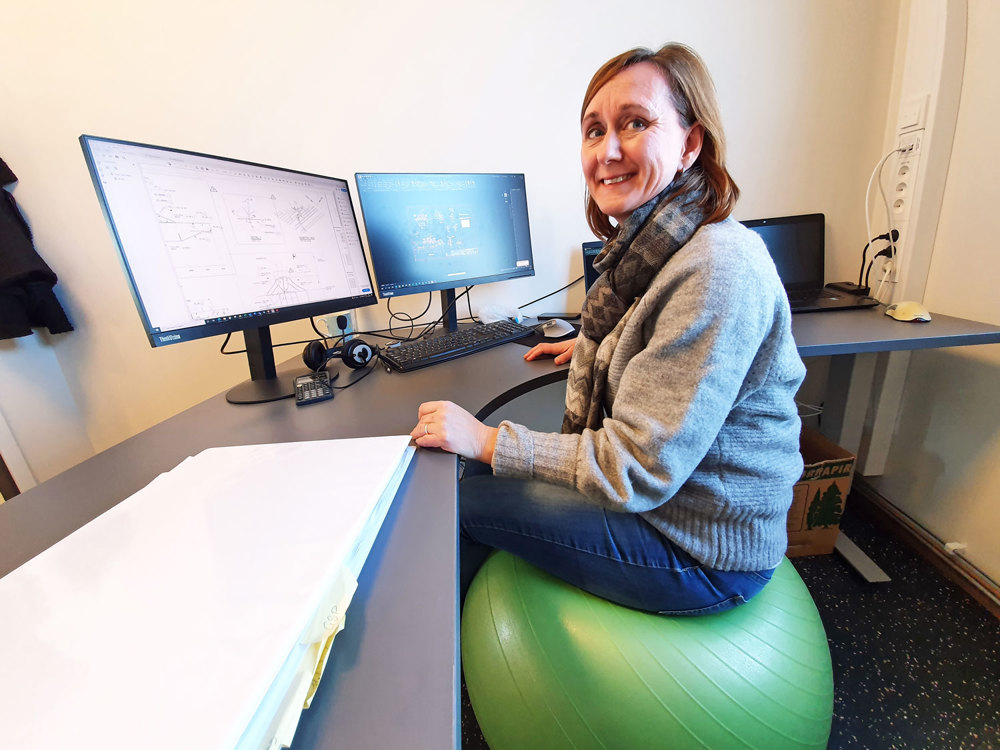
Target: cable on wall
{"type": "Point", "coordinates": [877, 171]}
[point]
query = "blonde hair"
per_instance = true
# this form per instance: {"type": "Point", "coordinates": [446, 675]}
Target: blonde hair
{"type": "Point", "coordinates": [692, 94]}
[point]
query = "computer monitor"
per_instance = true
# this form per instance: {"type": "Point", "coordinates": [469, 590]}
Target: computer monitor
{"type": "Point", "coordinates": [213, 245]}
{"type": "Point", "coordinates": [429, 232]}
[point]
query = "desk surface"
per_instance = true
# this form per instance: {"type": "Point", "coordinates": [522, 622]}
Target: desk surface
{"type": "Point", "coordinates": [393, 675]}
{"type": "Point", "coordinates": [871, 330]}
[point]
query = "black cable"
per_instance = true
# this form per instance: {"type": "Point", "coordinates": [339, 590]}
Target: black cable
{"type": "Point", "coordinates": [526, 304]}
{"type": "Point", "coordinates": [405, 317]}
{"type": "Point", "coordinates": [336, 340]}
{"type": "Point", "coordinates": [885, 252]}
{"type": "Point", "coordinates": [312, 322]}
{"type": "Point", "coordinates": [378, 333]}
{"type": "Point", "coordinates": [430, 327]}
{"type": "Point", "coordinates": [864, 254]}
{"type": "Point", "coordinates": [369, 369]}
{"type": "Point", "coordinates": [222, 349]}
{"type": "Point", "coordinates": [890, 237]}
{"type": "Point", "coordinates": [411, 319]}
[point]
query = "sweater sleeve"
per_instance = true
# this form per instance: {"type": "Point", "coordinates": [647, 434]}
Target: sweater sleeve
{"type": "Point", "coordinates": [705, 325]}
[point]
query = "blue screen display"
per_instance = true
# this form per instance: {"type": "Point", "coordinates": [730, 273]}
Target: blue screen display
{"type": "Point", "coordinates": [442, 231]}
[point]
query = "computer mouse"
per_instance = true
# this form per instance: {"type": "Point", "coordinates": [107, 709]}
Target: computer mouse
{"type": "Point", "coordinates": [555, 328]}
{"type": "Point", "coordinates": [908, 311]}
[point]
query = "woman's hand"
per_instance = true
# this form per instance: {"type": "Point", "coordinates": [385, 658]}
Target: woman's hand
{"type": "Point", "coordinates": [442, 424]}
{"type": "Point", "coordinates": [563, 351]}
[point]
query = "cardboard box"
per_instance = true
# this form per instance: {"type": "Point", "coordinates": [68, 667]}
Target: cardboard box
{"type": "Point", "coordinates": [819, 496]}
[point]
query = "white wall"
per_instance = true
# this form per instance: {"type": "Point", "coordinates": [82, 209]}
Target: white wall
{"type": "Point", "coordinates": [40, 429]}
{"type": "Point", "coordinates": [943, 467]}
{"type": "Point", "coordinates": [336, 88]}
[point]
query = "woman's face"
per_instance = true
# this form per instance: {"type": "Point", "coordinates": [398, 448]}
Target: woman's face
{"type": "Point", "coordinates": [633, 141]}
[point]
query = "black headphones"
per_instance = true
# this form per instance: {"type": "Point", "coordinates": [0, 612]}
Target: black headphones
{"type": "Point", "coordinates": [354, 353]}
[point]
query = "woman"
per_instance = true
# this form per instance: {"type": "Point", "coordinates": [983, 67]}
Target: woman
{"type": "Point", "coordinates": [667, 489]}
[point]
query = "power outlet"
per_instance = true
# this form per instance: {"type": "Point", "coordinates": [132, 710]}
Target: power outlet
{"type": "Point", "coordinates": [333, 330]}
{"type": "Point", "coordinates": [901, 192]}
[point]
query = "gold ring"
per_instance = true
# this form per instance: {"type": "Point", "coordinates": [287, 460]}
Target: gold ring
{"type": "Point", "coordinates": [426, 431]}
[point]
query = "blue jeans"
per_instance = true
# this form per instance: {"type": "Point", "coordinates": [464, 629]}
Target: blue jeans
{"type": "Point", "coordinates": [616, 556]}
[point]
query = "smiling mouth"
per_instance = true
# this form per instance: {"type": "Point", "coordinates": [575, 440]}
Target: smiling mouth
{"type": "Point", "coordinates": [616, 180]}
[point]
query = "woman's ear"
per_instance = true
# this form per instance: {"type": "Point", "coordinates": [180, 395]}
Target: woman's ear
{"type": "Point", "coordinates": [692, 145]}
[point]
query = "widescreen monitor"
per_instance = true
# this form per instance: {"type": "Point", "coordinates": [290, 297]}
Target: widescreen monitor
{"type": "Point", "coordinates": [212, 245]}
{"type": "Point", "coordinates": [429, 232]}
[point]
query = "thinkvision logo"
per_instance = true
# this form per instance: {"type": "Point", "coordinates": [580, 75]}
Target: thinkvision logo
{"type": "Point", "coordinates": [170, 337]}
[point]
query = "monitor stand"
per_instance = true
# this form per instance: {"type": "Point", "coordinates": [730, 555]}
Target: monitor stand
{"type": "Point", "coordinates": [264, 384]}
{"type": "Point", "coordinates": [448, 311]}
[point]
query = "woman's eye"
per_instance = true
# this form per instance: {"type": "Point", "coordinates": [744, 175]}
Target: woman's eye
{"type": "Point", "coordinates": [636, 124]}
{"type": "Point", "coordinates": [595, 132]}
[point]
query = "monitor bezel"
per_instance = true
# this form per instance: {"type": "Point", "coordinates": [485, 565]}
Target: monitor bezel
{"type": "Point", "coordinates": [465, 281]}
{"type": "Point", "coordinates": [242, 321]}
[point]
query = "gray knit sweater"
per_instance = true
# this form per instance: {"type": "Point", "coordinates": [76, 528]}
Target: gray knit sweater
{"type": "Point", "coordinates": [701, 433]}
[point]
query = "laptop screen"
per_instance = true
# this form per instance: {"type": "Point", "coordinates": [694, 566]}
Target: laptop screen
{"type": "Point", "coordinates": [590, 251]}
{"type": "Point", "coordinates": [796, 247]}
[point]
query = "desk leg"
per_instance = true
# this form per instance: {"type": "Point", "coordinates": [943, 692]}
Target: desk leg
{"type": "Point", "coordinates": [848, 394]}
{"type": "Point", "coordinates": [888, 397]}
{"type": "Point", "coordinates": [859, 560]}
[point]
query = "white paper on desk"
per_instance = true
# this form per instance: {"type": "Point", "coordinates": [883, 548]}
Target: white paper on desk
{"type": "Point", "coordinates": [277, 717]}
{"type": "Point", "coordinates": [163, 622]}
{"type": "Point", "coordinates": [308, 667]}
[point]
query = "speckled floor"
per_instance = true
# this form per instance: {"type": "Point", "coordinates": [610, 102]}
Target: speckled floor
{"type": "Point", "coordinates": [916, 662]}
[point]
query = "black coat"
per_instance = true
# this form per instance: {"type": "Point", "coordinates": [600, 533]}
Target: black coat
{"type": "Point", "coordinates": [26, 281]}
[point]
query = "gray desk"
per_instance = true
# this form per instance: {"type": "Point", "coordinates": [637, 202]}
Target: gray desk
{"type": "Point", "coordinates": [393, 676]}
{"type": "Point", "coordinates": [870, 331]}
{"type": "Point", "coordinates": [854, 338]}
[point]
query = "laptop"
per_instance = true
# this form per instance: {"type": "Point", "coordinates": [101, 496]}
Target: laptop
{"type": "Point", "coordinates": [590, 252]}
{"type": "Point", "coordinates": [796, 247]}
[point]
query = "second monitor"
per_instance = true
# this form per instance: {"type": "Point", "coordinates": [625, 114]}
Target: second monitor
{"type": "Point", "coordinates": [429, 232]}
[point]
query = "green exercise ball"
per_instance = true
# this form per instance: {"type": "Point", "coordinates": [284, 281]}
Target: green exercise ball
{"type": "Point", "coordinates": [550, 666]}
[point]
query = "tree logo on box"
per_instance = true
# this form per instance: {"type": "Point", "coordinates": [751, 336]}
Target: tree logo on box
{"type": "Point", "coordinates": [826, 508]}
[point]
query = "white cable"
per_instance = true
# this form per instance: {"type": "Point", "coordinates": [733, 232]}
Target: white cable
{"type": "Point", "coordinates": [868, 191]}
{"type": "Point", "coordinates": [888, 215]}
{"type": "Point", "coordinates": [814, 409]}
{"type": "Point", "coordinates": [886, 270]}
{"type": "Point", "coordinates": [885, 202]}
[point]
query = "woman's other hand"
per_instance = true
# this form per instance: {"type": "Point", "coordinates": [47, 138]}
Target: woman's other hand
{"type": "Point", "coordinates": [442, 424]}
{"type": "Point", "coordinates": [563, 351]}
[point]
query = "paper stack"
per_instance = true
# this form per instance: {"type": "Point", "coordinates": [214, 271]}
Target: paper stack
{"type": "Point", "coordinates": [199, 612]}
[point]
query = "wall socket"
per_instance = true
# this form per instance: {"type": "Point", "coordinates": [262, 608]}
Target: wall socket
{"type": "Point", "coordinates": [901, 186]}
{"type": "Point", "coordinates": [333, 330]}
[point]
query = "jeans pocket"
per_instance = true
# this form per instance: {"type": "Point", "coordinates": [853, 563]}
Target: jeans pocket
{"type": "Point", "coordinates": [733, 601]}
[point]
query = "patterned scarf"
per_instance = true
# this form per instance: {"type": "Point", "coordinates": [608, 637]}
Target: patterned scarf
{"type": "Point", "coordinates": [647, 239]}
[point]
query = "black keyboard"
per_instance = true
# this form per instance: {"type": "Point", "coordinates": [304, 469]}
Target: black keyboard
{"type": "Point", "coordinates": [413, 355]}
